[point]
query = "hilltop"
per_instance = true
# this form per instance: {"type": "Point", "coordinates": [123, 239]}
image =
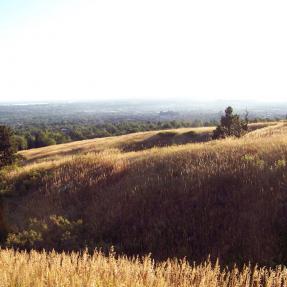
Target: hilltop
{"type": "Point", "coordinates": [201, 197]}
{"type": "Point", "coordinates": [130, 142]}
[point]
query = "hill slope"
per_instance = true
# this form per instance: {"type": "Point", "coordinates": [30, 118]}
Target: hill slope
{"type": "Point", "coordinates": [130, 142]}
{"type": "Point", "coordinates": [225, 198]}
{"type": "Point", "coordinates": [135, 141]}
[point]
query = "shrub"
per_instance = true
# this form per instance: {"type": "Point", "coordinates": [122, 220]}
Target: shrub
{"type": "Point", "coordinates": [230, 125]}
{"type": "Point", "coordinates": [57, 232]}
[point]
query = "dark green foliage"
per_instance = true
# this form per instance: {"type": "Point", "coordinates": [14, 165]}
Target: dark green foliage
{"type": "Point", "coordinates": [19, 142]}
{"type": "Point", "coordinates": [43, 139]}
{"type": "Point", "coordinates": [6, 147]}
{"type": "Point", "coordinates": [57, 231]}
{"type": "Point", "coordinates": [230, 125]}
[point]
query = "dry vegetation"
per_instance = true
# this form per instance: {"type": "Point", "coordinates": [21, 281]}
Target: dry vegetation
{"type": "Point", "coordinates": [129, 142]}
{"type": "Point", "coordinates": [75, 270]}
{"type": "Point", "coordinates": [226, 199]}
{"type": "Point", "coordinates": [269, 130]}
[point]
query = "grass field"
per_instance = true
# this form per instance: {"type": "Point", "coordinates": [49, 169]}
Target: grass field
{"type": "Point", "coordinates": [224, 198]}
{"type": "Point", "coordinates": [130, 142]}
{"type": "Point", "coordinates": [75, 270]}
{"type": "Point", "coordinates": [137, 141]}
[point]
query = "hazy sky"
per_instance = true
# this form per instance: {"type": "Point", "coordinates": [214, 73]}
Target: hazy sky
{"type": "Point", "coordinates": [150, 49]}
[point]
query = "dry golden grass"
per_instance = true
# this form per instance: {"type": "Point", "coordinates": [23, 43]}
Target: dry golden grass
{"type": "Point", "coordinates": [188, 200]}
{"type": "Point", "coordinates": [20, 269]}
{"type": "Point", "coordinates": [226, 198]}
{"type": "Point", "coordinates": [49, 158]}
{"type": "Point", "coordinates": [57, 152]}
{"type": "Point", "coordinates": [268, 131]}
{"type": "Point", "coordinates": [98, 145]}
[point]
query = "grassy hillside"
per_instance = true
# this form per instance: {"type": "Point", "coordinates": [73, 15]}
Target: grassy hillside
{"type": "Point", "coordinates": [225, 198]}
{"type": "Point", "coordinates": [130, 142]}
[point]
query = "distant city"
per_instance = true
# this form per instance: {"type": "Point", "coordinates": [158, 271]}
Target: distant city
{"type": "Point", "coordinates": [23, 112]}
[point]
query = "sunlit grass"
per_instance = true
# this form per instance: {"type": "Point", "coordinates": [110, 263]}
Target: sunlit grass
{"type": "Point", "coordinates": [20, 269]}
{"type": "Point", "coordinates": [224, 198]}
{"type": "Point", "coordinates": [98, 145]}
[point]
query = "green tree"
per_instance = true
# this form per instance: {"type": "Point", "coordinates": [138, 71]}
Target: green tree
{"type": "Point", "coordinates": [7, 151]}
{"type": "Point", "coordinates": [19, 142]}
{"type": "Point", "coordinates": [43, 139]}
{"type": "Point", "coordinates": [231, 125]}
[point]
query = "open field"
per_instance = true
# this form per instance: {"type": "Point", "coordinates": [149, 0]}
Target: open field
{"type": "Point", "coordinates": [135, 141]}
{"type": "Point", "coordinates": [75, 270]}
{"type": "Point", "coordinates": [219, 198]}
{"type": "Point", "coordinates": [268, 131]}
{"type": "Point", "coordinates": [130, 142]}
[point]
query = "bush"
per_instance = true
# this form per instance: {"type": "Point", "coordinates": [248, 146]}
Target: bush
{"type": "Point", "coordinates": [230, 125]}
{"type": "Point", "coordinates": [55, 233]}
{"type": "Point", "coordinates": [19, 142]}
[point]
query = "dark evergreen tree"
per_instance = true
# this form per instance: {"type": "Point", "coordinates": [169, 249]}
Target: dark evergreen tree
{"type": "Point", "coordinates": [231, 125]}
{"type": "Point", "coordinates": [6, 146]}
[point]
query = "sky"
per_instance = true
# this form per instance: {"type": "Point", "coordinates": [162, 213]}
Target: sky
{"type": "Point", "coordinates": [149, 49]}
